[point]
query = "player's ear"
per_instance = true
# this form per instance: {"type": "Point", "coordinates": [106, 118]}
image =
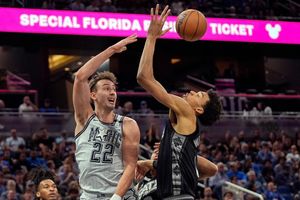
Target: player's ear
{"type": "Point", "coordinates": [93, 95]}
{"type": "Point", "coordinates": [199, 110]}
{"type": "Point", "coordinates": [38, 194]}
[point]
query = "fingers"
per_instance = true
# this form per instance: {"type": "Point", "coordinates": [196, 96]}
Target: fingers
{"type": "Point", "coordinates": [152, 14]}
{"type": "Point", "coordinates": [164, 12]}
{"type": "Point", "coordinates": [156, 10]}
{"type": "Point", "coordinates": [165, 15]}
{"type": "Point", "coordinates": [165, 31]}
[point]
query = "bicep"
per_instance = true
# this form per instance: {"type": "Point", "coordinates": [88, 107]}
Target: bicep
{"type": "Point", "coordinates": [131, 142]}
{"type": "Point", "coordinates": [81, 101]}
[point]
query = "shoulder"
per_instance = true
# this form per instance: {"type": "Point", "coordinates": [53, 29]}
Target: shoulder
{"type": "Point", "coordinates": [130, 126]}
{"type": "Point", "coordinates": [129, 120]}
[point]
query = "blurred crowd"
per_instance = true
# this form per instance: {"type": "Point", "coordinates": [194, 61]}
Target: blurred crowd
{"type": "Point", "coordinates": [19, 155]}
{"type": "Point", "coordinates": [250, 9]}
{"type": "Point", "coordinates": [266, 163]}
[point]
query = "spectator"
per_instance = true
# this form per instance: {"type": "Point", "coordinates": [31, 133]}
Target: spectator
{"type": "Point", "coordinates": [10, 193]}
{"type": "Point", "coordinates": [13, 142]}
{"type": "Point", "coordinates": [177, 6]}
{"type": "Point", "coordinates": [144, 109]}
{"type": "Point", "coordinates": [253, 184]}
{"type": "Point", "coordinates": [271, 192]}
{"type": "Point", "coordinates": [27, 106]}
{"type": "Point", "coordinates": [49, 4]}
{"type": "Point", "coordinates": [264, 153]}
{"type": "Point", "coordinates": [47, 107]}
{"type": "Point", "coordinates": [151, 137]}
{"type": "Point", "coordinates": [94, 6]}
{"type": "Point", "coordinates": [73, 191]}
{"type": "Point", "coordinates": [28, 195]}
{"type": "Point", "coordinates": [220, 177]}
{"type": "Point", "coordinates": [127, 109]}
{"type": "Point", "coordinates": [293, 155]}
{"type": "Point", "coordinates": [228, 195]}
{"type": "Point", "coordinates": [208, 194]}
{"type": "Point", "coordinates": [108, 6]}
{"type": "Point", "coordinates": [35, 160]}
{"type": "Point", "coordinates": [2, 186]}
{"type": "Point", "coordinates": [77, 5]}
{"type": "Point", "coordinates": [2, 105]}
{"type": "Point", "coordinates": [235, 172]}
{"type": "Point", "coordinates": [282, 172]}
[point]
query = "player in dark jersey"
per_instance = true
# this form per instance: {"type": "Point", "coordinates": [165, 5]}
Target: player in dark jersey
{"type": "Point", "coordinates": [177, 172]}
{"type": "Point", "coordinates": [45, 186]}
{"type": "Point", "coordinates": [148, 185]}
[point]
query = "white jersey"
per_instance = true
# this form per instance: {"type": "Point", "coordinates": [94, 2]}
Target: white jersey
{"type": "Point", "coordinates": [99, 157]}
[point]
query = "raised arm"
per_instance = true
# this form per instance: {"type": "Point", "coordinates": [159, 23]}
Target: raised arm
{"type": "Point", "coordinates": [130, 148]}
{"type": "Point", "coordinates": [145, 76]}
{"type": "Point", "coordinates": [81, 90]}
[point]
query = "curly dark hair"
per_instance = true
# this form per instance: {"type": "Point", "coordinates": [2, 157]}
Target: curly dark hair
{"type": "Point", "coordinates": [100, 76]}
{"type": "Point", "coordinates": [212, 109]}
{"type": "Point", "coordinates": [37, 175]}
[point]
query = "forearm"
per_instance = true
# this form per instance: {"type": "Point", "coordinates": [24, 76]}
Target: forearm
{"type": "Point", "coordinates": [93, 64]}
{"type": "Point", "coordinates": [125, 181]}
{"type": "Point", "coordinates": [145, 70]}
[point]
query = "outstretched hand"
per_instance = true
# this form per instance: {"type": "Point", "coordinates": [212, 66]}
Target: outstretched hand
{"type": "Point", "coordinates": [121, 45]}
{"type": "Point", "coordinates": [157, 22]}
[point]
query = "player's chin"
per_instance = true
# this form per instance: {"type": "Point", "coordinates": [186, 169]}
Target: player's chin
{"type": "Point", "coordinates": [52, 197]}
{"type": "Point", "coordinates": [111, 106]}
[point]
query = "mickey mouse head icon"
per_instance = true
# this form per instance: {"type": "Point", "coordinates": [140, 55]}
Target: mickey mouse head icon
{"type": "Point", "coordinates": [273, 31]}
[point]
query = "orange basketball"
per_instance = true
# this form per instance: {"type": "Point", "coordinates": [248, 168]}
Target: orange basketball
{"type": "Point", "coordinates": [191, 25]}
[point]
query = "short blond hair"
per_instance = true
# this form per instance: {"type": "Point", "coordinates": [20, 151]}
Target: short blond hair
{"type": "Point", "coordinates": [100, 76]}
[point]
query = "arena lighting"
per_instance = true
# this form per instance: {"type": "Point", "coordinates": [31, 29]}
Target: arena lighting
{"type": "Point", "coordinates": [175, 60]}
{"type": "Point", "coordinates": [120, 25]}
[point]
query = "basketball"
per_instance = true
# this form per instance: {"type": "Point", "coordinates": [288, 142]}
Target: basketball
{"type": "Point", "coordinates": [191, 25]}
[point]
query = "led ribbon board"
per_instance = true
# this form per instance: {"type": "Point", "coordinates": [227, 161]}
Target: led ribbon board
{"type": "Point", "coordinates": [38, 21]}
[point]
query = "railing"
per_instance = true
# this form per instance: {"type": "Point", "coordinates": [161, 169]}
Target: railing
{"type": "Point", "coordinates": [28, 123]}
{"type": "Point", "coordinates": [238, 190]}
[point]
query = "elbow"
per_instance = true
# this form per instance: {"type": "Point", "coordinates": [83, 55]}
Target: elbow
{"type": "Point", "coordinates": [140, 79]}
{"type": "Point", "coordinates": [79, 77]}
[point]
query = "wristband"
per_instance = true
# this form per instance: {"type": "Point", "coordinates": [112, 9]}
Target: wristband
{"type": "Point", "coordinates": [116, 197]}
{"type": "Point", "coordinates": [154, 164]}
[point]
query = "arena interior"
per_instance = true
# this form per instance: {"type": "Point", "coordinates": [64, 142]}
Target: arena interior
{"type": "Point", "coordinates": [249, 55]}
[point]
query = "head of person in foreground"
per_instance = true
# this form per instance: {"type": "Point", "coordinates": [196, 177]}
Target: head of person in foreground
{"type": "Point", "coordinates": [45, 186]}
{"type": "Point", "coordinates": [207, 105]}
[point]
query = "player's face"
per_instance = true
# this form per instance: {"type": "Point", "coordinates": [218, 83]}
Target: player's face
{"type": "Point", "coordinates": [106, 94]}
{"type": "Point", "coordinates": [47, 190]}
{"type": "Point", "coordinates": [196, 99]}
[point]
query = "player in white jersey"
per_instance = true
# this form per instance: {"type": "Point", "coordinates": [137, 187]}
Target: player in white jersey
{"type": "Point", "coordinates": [106, 143]}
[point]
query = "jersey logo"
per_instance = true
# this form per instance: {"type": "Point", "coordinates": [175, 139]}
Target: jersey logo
{"type": "Point", "coordinates": [104, 143]}
{"type": "Point", "coordinates": [105, 135]}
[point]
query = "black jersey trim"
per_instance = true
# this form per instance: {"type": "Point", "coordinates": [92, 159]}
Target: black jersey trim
{"type": "Point", "coordinates": [85, 126]}
{"type": "Point", "coordinates": [112, 123]}
{"type": "Point", "coordinates": [195, 134]}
